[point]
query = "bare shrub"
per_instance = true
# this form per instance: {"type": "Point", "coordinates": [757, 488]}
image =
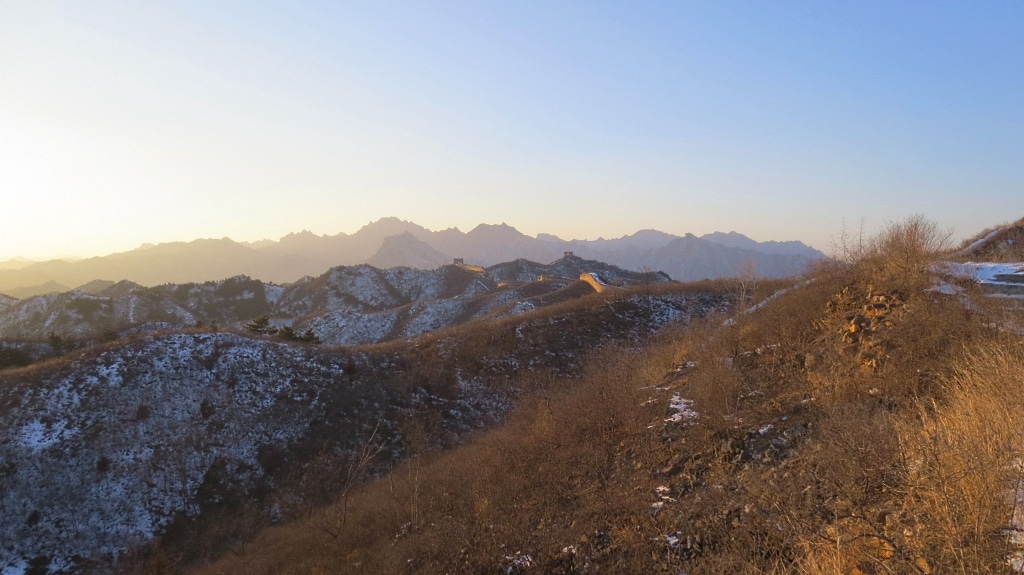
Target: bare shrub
{"type": "Point", "coordinates": [905, 248]}
{"type": "Point", "coordinates": [850, 245]}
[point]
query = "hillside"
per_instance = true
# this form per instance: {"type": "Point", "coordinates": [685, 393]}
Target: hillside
{"type": "Point", "coordinates": [165, 432]}
{"type": "Point", "coordinates": [864, 420]}
{"type": "Point", "coordinates": [390, 242]}
{"type": "Point", "coordinates": [1002, 244]}
{"type": "Point", "coordinates": [348, 305]}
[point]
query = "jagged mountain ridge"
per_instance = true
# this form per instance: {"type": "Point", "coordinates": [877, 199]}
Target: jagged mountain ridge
{"type": "Point", "coordinates": [346, 305]}
{"type": "Point", "coordinates": [738, 240]}
{"type": "Point", "coordinates": [301, 254]}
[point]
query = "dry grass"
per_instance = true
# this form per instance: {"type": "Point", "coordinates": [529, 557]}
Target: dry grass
{"type": "Point", "coordinates": [960, 456]}
{"type": "Point", "coordinates": [857, 423]}
{"type": "Point", "coordinates": [534, 486]}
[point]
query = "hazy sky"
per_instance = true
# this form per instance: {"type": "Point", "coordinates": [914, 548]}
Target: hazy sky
{"type": "Point", "coordinates": [131, 122]}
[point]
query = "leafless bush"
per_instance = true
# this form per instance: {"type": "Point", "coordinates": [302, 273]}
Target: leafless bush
{"type": "Point", "coordinates": [905, 248]}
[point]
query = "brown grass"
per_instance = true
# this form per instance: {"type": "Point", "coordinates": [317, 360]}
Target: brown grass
{"type": "Point", "coordinates": [534, 486]}
{"type": "Point", "coordinates": [833, 436]}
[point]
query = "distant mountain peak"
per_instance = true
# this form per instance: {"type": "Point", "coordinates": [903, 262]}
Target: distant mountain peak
{"type": "Point", "coordinates": [493, 229]}
{"type": "Point", "coordinates": [303, 233]}
{"type": "Point", "coordinates": [386, 222]}
{"type": "Point", "coordinates": [405, 250]}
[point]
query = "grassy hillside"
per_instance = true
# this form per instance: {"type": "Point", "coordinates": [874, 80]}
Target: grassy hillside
{"type": "Point", "coordinates": [857, 423]}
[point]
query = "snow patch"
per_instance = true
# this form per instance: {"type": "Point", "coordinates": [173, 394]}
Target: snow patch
{"type": "Point", "coordinates": [981, 272]}
{"type": "Point", "coordinates": [681, 410]}
{"type": "Point", "coordinates": [981, 240]}
{"type": "Point", "coordinates": [37, 436]}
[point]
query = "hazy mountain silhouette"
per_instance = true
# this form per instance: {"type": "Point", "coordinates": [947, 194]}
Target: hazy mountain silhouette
{"type": "Point", "coordinates": [392, 242]}
{"type": "Point", "coordinates": [737, 240]}
{"type": "Point", "coordinates": [405, 250]}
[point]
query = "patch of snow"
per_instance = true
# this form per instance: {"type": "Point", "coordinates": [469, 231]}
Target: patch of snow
{"type": "Point", "coordinates": [521, 307]}
{"type": "Point", "coordinates": [17, 567]}
{"type": "Point", "coordinates": [37, 436]}
{"type": "Point", "coordinates": [681, 409]}
{"type": "Point", "coordinates": [946, 288]}
{"type": "Point", "coordinates": [1007, 295]}
{"type": "Point", "coordinates": [981, 272]}
{"type": "Point", "coordinates": [765, 301]}
{"type": "Point", "coordinates": [273, 293]}
{"type": "Point", "coordinates": [981, 240]}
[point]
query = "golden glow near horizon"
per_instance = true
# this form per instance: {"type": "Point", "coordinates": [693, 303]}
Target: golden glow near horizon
{"type": "Point", "coordinates": [121, 125]}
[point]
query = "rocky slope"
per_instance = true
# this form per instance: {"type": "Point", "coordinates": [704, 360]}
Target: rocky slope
{"type": "Point", "coordinates": [347, 305]}
{"type": "Point", "coordinates": [104, 449]}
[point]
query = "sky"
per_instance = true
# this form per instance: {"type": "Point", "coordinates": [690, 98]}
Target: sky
{"type": "Point", "coordinates": [126, 122]}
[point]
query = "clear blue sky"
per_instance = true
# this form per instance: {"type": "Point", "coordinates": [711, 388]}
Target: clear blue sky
{"type": "Point", "coordinates": [131, 122]}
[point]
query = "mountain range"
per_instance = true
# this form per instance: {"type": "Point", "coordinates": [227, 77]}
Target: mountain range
{"type": "Point", "coordinates": [347, 305]}
{"type": "Point", "coordinates": [391, 242]}
{"type": "Point", "coordinates": [144, 434]}
{"type": "Point", "coordinates": [515, 418]}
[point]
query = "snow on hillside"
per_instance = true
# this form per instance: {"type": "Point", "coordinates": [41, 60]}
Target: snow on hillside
{"type": "Point", "coordinates": [109, 451]}
{"type": "Point", "coordinates": [81, 315]}
{"type": "Point", "coordinates": [344, 326]}
{"type": "Point", "coordinates": [981, 241]}
{"type": "Point", "coordinates": [1005, 280]}
{"type": "Point", "coordinates": [347, 305]}
{"type": "Point", "coordinates": [985, 272]}
{"type": "Point", "coordinates": [105, 450]}
{"type": "Point", "coordinates": [429, 316]}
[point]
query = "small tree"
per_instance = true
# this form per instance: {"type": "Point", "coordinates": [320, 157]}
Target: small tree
{"type": "Point", "coordinates": [261, 326]}
{"type": "Point", "coordinates": [288, 334]}
{"type": "Point", "coordinates": [747, 280]}
{"type": "Point", "coordinates": [57, 343]}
